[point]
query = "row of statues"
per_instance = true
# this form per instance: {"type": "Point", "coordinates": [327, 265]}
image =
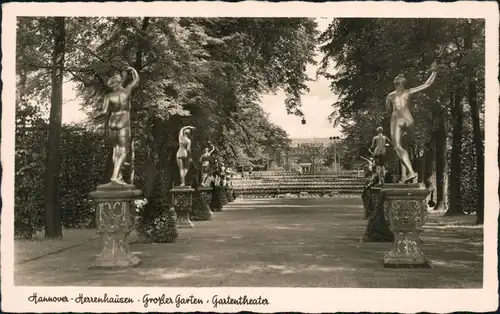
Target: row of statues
{"type": "Point", "coordinates": [116, 108]}
{"type": "Point", "coordinates": [398, 104]}
{"type": "Point", "coordinates": [117, 105]}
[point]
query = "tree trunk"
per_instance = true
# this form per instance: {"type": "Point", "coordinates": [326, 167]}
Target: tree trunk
{"type": "Point", "coordinates": [441, 147]}
{"type": "Point", "coordinates": [429, 171]}
{"type": "Point", "coordinates": [456, 158]}
{"type": "Point", "coordinates": [476, 129]}
{"type": "Point", "coordinates": [53, 161]}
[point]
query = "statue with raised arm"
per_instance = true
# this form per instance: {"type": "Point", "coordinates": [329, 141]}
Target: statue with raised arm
{"type": "Point", "coordinates": [377, 149]}
{"type": "Point", "coordinates": [205, 164]}
{"type": "Point", "coordinates": [184, 156]}
{"type": "Point", "coordinates": [117, 105]}
{"type": "Point", "coordinates": [398, 104]}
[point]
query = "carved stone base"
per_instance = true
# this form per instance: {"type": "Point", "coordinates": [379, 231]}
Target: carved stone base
{"type": "Point", "coordinates": [183, 201]}
{"type": "Point", "coordinates": [115, 252]}
{"type": "Point", "coordinates": [223, 196]}
{"type": "Point", "coordinates": [377, 229]}
{"type": "Point", "coordinates": [216, 201]}
{"type": "Point", "coordinates": [230, 197]}
{"type": "Point", "coordinates": [406, 252]}
{"type": "Point", "coordinates": [201, 205]}
{"type": "Point", "coordinates": [115, 220]}
{"type": "Point", "coordinates": [406, 210]}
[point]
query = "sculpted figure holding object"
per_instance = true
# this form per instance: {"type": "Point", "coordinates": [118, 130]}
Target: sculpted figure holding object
{"type": "Point", "coordinates": [117, 104]}
{"type": "Point", "coordinates": [398, 104]}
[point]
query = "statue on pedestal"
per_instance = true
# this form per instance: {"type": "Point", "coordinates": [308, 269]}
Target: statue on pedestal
{"type": "Point", "coordinates": [398, 104]}
{"type": "Point", "coordinates": [115, 201]}
{"type": "Point", "coordinates": [205, 164]}
{"type": "Point", "coordinates": [184, 157]}
{"type": "Point", "coordinates": [378, 150]}
{"type": "Point", "coordinates": [117, 104]}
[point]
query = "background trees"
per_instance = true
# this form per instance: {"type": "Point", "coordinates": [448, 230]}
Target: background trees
{"type": "Point", "coordinates": [209, 73]}
{"type": "Point", "coordinates": [369, 53]}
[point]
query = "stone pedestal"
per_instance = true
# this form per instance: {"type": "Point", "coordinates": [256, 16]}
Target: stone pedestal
{"type": "Point", "coordinates": [182, 199]}
{"type": "Point", "coordinates": [223, 196]}
{"type": "Point", "coordinates": [216, 199]}
{"type": "Point", "coordinates": [201, 204]}
{"type": "Point", "coordinates": [115, 219]}
{"type": "Point", "coordinates": [230, 197]}
{"type": "Point", "coordinates": [377, 229]}
{"type": "Point", "coordinates": [406, 210]}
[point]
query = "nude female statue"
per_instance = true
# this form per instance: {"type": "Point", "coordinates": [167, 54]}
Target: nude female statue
{"type": "Point", "coordinates": [184, 157]}
{"type": "Point", "coordinates": [117, 103]}
{"type": "Point", "coordinates": [398, 103]}
{"type": "Point", "coordinates": [205, 164]}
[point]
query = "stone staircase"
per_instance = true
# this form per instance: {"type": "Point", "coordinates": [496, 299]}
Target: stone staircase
{"type": "Point", "coordinates": [275, 183]}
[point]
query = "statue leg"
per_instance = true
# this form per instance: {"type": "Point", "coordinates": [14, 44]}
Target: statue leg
{"type": "Point", "coordinates": [396, 133]}
{"type": "Point", "coordinates": [113, 136]}
{"type": "Point", "coordinates": [122, 149]}
{"type": "Point", "coordinates": [180, 164]}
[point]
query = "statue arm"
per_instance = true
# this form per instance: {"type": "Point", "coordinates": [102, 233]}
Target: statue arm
{"type": "Point", "coordinates": [105, 106]}
{"type": "Point", "coordinates": [372, 146]}
{"type": "Point", "coordinates": [135, 78]}
{"type": "Point", "coordinates": [388, 140]}
{"type": "Point", "coordinates": [213, 149]}
{"type": "Point", "coordinates": [388, 104]}
{"type": "Point", "coordinates": [428, 83]}
{"type": "Point", "coordinates": [365, 158]}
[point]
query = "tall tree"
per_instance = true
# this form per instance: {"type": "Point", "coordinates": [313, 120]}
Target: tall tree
{"type": "Point", "coordinates": [455, 196]}
{"type": "Point", "coordinates": [472, 99]}
{"type": "Point", "coordinates": [53, 227]}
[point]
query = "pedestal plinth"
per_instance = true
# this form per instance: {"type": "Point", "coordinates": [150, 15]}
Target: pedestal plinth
{"type": "Point", "coordinates": [223, 196]}
{"type": "Point", "coordinates": [230, 196]}
{"type": "Point", "coordinates": [406, 210]}
{"type": "Point", "coordinates": [203, 209]}
{"type": "Point", "coordinates": [182, 199]}
{"type": "Point", "coordinates": [377, 229]}
{"type": "Point", "coordinates": [216, 201]}
{"type": "Point", "coordinates": [115, 220]}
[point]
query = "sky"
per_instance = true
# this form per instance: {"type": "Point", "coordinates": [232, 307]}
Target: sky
{"type": "Point", "coordinates": [316, 105]}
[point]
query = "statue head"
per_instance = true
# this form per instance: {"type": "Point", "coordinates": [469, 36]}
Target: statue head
{"type": "Point", "coordinates": [115, 81]}
{"type": "Point", "coordinates": [379, 130]}
{"type": "Point", "coordinates": [206, 150]}
{"type": "Point", "coordinates": [400, 81]}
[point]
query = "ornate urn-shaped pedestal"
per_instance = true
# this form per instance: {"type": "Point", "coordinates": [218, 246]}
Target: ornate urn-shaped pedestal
{"type": "Point", "coordinates": [115, 219]}
{"type": "Point", "coordinates": [406, 210]}
{"type": "Point", "coordinates": [204, 207]}
{"type": "Point", "coordinates": [182, 199]}
{"type": "Point", "coordinates": [377, 229]}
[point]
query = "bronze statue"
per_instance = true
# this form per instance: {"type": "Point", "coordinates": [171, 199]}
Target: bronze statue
{"type": "Point", "coordinates": [205, 164]}
{"type": "Point", "coordinates": [184, 156]}
{"type": "Point", "coordinates": [117, 103]}
{"type": "Point", "coordinates": [378, 150]}
{"type": "Point", "coordinates": [398, 104]}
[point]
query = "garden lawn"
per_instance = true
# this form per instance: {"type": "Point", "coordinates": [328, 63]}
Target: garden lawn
{"type": "Point", "coordinates": [276, 243]}
{"type": "Point", "coordinates": [26, 250]}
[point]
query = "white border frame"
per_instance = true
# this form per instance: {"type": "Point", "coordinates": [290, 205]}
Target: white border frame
{"type": "Point", "coordinates": [281, 299]}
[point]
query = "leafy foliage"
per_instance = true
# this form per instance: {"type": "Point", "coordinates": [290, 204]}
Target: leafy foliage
{"type": "Point", "coordinates": [205, 72]}
{"type": "Point", "coordinates": [368, 53]}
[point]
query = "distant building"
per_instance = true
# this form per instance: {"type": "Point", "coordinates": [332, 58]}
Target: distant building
{"type": "Point", "coordinates": [294, 155]}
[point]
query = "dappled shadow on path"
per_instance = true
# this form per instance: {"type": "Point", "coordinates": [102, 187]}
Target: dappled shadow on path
{"type": "Point", "coordinates": [309, 243]}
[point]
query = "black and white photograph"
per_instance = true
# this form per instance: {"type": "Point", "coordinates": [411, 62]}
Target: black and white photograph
{"type": "Point", "coordinates": [210, 159]}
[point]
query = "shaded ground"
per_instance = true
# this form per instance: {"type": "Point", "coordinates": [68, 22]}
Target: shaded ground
{"type": "Point", "coordinates": [26, 250]}
{"type": "Point", "coordinates": [276, 243]}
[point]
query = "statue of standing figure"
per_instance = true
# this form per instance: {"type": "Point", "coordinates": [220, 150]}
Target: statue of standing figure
{"type": "Point", "coordinates": [205, 164]}
{"type": "Point", "coordinates": [378, 150]}
{"type": "Point", "coordinates": [398, 104]}
{"type": "Point", "coordinates": [117, 102]}
{"type": "Point", "coordinates": [184, 157]}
